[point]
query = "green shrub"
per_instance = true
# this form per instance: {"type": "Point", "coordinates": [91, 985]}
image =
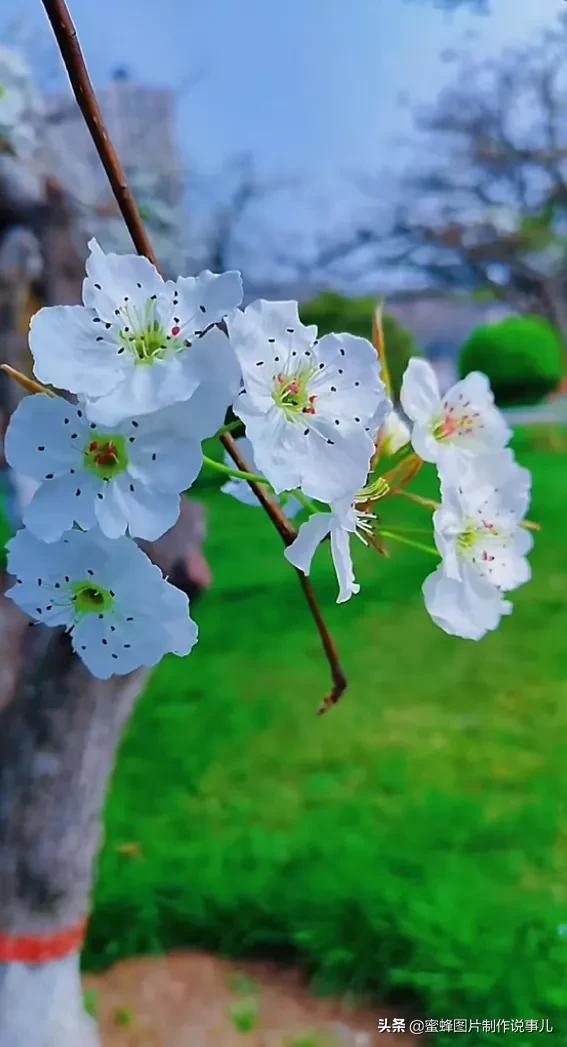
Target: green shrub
{"type": "Point", "coordinates": [332, 312]}
{"type": "Point", "coordinates": [523, 358]}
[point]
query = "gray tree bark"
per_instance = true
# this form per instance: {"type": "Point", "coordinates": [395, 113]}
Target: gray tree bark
{"type": "Point", "coordinates": [60, 729]}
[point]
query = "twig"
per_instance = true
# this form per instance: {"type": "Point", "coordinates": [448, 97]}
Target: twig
{"type": "Point", "coordinates": [288, 533]}
{"type": "Point", "coordinates": [66, 36]}
{"type": "Point", "coordinates": [29, 384]}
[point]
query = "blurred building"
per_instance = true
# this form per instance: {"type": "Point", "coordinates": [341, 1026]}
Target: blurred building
{"type": "Point", "coordinates": [141, 120]}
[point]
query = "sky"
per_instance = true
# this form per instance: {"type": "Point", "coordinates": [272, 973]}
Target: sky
{"type": "Point", "coordinates": [310, 87]}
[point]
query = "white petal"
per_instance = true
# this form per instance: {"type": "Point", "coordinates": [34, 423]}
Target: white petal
{"type": "Point", "coordinates": [342, 559]}
{"type": "Point", "coordinates": [212, 368]}
{"type": "Point", "coordinates": [111, 278]}
{"type": "Point", "coordinates": [45, 435]}
{"type": "Point", "coordinates": [104, 652]}
{"type": "Point", "coordinates": [474, 396]}
{"type": "Point", "coordinates": [63, 342]}
{"type": "Point", "coordinates": [420, 397]}
{"type": "Point", "coordinates": [207, 298]}
{"type": "Point", "coordinates": [394, 434]}
{"type": "Point", "coordinates": [59, 503]}
{"type": "Point", "coordinates": [333, 465]}
{"type": "Point", "coordinates": [181, 632]}
{"type": "Point", "coordinates": [164, 454]}
{"type": "Point", "coordinates": [301, 551]}
{"type": "Point", "coordinates": [469, 608]}
{"type": "Point", "coordinates": [109, 512]}
{"type": "Point", "coordinates": [265, 337]}
{"type": "Point", "coordinates": [274, 440]}
{"type": "Point", "coordinates": [143, 388]}
{"type": "Point", "coordinates": [348, 385]}
{"type": "Point", "coordinates": [149, 513]}
{"type": "Point", "coordinates": [427, 447]}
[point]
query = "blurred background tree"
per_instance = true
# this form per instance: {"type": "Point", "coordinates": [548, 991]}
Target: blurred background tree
{"type": "Point", "coordinates": [482, 204]}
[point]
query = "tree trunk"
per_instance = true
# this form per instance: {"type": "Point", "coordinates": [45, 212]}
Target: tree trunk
{"type": "Point", "coordinates": [58, 739]}
{"type": "Point", "coordinates": [59, 732]}
{"type": "Point", "coordinates": [42, 1006]}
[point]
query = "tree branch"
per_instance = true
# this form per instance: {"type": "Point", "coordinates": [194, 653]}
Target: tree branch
{"type": "Point", "coordinates": [67, 39]}
{"type": "Point", "coordinates": [66, 36]}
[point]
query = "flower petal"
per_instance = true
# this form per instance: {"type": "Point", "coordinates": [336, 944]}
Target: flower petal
{"type": "Point", "coordinates": [420, 396]}
{"type": "Point", "coordinates": [45, 435]}
{"type": "Point", "coordinates": [301, 551]}
{"type": "Point", "coordinates": [469, 608]}
{"type": "Point", "coordinates": [60, 503]}
{"type": "Point", "coordinates": [342, 559]}
{"type": "Point", "coordinates": [207, 298]}
{"type": "Point", "coordinates": [113, 279]}
{"type": "Point", "coordinates": [67, 355]}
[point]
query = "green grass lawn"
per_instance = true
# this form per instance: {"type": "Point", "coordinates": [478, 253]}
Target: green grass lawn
{"type": "Point", "coordinates": [413, 842]}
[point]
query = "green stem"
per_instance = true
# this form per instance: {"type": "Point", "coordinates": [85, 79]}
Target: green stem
{"type": "Point", "coordinates": [306, 502]}
{"type": "Point", "coordinates": [230, 427]}
{"type": "Point", "coordinates": [417, 499]}
{"type": "Point", "coordinates": [236, 474]}
{"type": "Point", "coordinates": [409, 530]}
{"type": "Point", "coordinates": [409, 541]}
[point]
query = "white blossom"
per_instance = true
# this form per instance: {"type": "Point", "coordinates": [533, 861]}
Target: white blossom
{"type": "Point", "coordinates": [115, 603]}
{"type": "Point", "coordinates": [120, 477]}
{"type": "Point", "coordinates": [311, 407]}
{"type": "Point", "coordinates": [464, 421]}
{"type": "Point", "coordinates": [394, 435]}
{"type": "Point", "coordinates": [344, 521]}
{"type": "Point", "coordinates": [482, 544]}
{"type": "Point", "coordinates": [241, 490]}
{"type": "Point", "coordinates": [136, 344]}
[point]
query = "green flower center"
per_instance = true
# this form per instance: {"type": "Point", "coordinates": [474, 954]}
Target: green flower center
{"type": "Point", "coordinates": [291, 393]}
{"type": "Point", "coordinates": [91, 599]}
{"type": "Point", "coordinates": [106, 456]}
{"type": "Point", "coordinates": [145, 337]}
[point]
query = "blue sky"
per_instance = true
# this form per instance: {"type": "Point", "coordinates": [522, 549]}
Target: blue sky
{"type": "Point", "coordinates": [310, 87]}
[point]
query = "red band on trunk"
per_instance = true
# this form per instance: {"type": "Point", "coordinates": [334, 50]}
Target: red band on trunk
{"type": "Point", "coordinates": [41, 949]}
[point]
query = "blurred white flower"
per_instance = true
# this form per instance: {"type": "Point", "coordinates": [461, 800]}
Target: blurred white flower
{"type": "Point", "coordinates": [482, 543]}
{"type": "Point", "coordinates": [464, 420]}
{"type": "Point", "coordinates": [311, 407]}
{"type": "Point", "coordinates": [394, 434]}
{"type": "Point", "coordinates": [115, 603]}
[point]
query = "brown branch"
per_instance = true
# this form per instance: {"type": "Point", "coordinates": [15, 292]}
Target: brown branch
{"type": "Point", "coordinates": [66, 36]}
{"type": "Point", "coordinates": [278, 518]}
{"type": "Point", "coordinates": [288, 534]}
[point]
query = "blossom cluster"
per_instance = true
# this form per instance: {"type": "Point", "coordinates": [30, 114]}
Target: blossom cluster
{"type": "Point", "coordinates": [146, 369]}
{"type": "Point", "coordinates": [485, 497]}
